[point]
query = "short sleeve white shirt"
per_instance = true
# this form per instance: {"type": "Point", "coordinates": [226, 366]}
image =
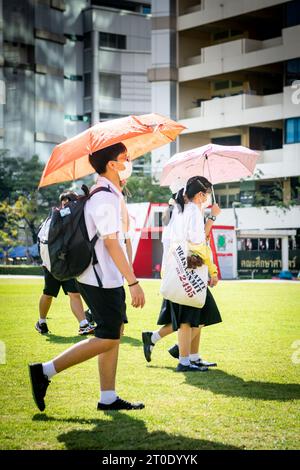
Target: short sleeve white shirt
{"type": "Point", "coordinates": [103, 215]}
{"type": "Point", "coordinates": [183, 226]}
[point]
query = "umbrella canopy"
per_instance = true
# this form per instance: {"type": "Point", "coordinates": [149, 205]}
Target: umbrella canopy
{"type": "Point", "coordinates": [140, 134]}
{"type": "Point", "coordinates": [217, 163]}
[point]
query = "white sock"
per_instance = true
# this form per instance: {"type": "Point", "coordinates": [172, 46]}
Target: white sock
{"type": "Point", "coordinates": [107, 397]}
{"type": "Point", "coordinates": [42, 320]}
{"type": "Point", "coordinates": [194, 357]}
{"type": "Point", "coordinates": [49, 369]}
{"type": "Point", "coordinates": [155, 337]}
{"type": "Point", "coordinates": [83, 322]}
{"type": "Point", "coordinates": [184, 360]}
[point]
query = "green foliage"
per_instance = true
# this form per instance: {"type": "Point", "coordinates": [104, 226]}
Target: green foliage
{"type": "Point", "coordinates": [23, 206]}
{"type": "Point", "coordinates": [23, 270]}
{"type": "Point", "coordinates": [142, 189]}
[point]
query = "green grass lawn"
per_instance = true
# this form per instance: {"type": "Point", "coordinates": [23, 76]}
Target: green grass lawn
{"type": "Point", "coordinates": [251, 401]}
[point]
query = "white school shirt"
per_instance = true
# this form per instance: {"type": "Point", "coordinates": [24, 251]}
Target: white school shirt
{"type": "Point", "coordinates": [183, 226]}
{"type": "Point", "coordinates": [103, 214]}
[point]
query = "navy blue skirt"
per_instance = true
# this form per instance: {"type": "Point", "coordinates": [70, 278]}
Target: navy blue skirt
{"type": "Point", "coordinates": [176, 314]}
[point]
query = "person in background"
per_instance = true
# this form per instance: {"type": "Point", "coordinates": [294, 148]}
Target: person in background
{"type": "Point", "coordinates": [209, 314]}
{"type": "Point", "coordinates": [52, 287]}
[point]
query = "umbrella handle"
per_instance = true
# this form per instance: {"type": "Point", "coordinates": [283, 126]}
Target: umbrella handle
{"type": "Point", "coordinates": [213, 195]}
{"type": "Point", "coordinates": [212, 187]}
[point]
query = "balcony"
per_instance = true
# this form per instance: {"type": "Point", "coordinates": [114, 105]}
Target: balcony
{"type": "Point", "coordinates": [280, 163]}
{"type": "Point", "coordinates": [239, 110]}
{"type": "Point", "coordinates": [214, 10]}
{"type": "Point", "coordinates": [241, 54]}
{"type": "Point", "coordinates": [233, 111]}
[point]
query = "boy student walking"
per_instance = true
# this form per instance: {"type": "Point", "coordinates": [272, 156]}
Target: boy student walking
{"type": "Point", "coordinates": [52, 287]}
{"type": "Point", "coordinates": [101, 285]}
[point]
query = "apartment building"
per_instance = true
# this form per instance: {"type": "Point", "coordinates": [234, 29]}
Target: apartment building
{"type": "Point", "coordinates": [229, 72]}
{"type": "Point", "coordinates": [66, 64]}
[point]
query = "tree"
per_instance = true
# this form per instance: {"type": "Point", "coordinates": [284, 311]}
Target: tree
{"type": "Point", "coordinates": [9, 226]}
{"type": "Point", "coordinates": [23, 205]}
{"type": "Point", "coordinates": [142, 189]}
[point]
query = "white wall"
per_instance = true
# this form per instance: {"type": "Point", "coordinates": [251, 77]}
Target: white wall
{"type": "Point", "coordinates": [261, 218]}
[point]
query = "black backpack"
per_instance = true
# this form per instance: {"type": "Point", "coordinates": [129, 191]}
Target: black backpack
{"type": "Point", "coordinates": [69, 248]}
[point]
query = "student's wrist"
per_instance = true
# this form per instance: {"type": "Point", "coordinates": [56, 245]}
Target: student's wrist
{"type": "Point", "coordinates": [131, 280]}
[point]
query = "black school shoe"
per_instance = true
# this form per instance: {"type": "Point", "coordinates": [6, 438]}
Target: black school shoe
{"type": "Point", "coordinates": [41, 328]}
{"type": "Point", "coordinates": [190, 368]}
{"type": "Point", "coordinates": [202, 363]}
{"type": "Point", "coordinates": [174, 351]}
{"type": "Point", "coordinates": [147, 344]}
{"type": "Point", "coordinates": [39, 384]}
{"type": "Point", "coordinates": [120, 404]}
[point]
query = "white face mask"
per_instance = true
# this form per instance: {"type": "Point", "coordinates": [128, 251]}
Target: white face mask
{"type": "Point", "coordinates": [125, 174]}
{"type": "Point", "coordinates": [207, 203]}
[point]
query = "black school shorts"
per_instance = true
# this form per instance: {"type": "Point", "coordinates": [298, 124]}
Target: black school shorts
{"type": "Point", "coordinates": [108, 307]}
{"type": "Point", "coordinates": [52, 285]}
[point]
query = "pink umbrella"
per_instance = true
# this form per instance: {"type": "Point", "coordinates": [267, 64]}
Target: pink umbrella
{"type": "Point", "coordinates": [218, 163]}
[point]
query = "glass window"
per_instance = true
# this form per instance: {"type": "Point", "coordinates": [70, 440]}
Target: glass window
{"type": "Point", "coordinates": [115, 41]}
{"type": "Point", "coordinates": [74, 78]}
{"type": "Point", "coordinates": [223, 201]}
{"type": "Point", "coordinates": [229, 140]}
{"type": "Point", "coordinates": [292, 71]}
{"type": "Point", "coordinates": [110, 85]}
{"type": "Point", "coordinates": [292, 130]}
{"type": "Point", "coordinates": [292, 13]}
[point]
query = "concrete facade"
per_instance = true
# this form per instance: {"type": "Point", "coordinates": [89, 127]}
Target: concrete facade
{"type": "Point", "coordinates": [47, 60]}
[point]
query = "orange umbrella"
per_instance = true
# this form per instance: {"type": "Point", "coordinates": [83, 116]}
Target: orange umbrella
{"type": "Point", "coordinates": [140, 134]}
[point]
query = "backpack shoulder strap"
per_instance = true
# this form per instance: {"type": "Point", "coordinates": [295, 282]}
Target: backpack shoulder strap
{"type": "Point", "coordinates": [98, 190]}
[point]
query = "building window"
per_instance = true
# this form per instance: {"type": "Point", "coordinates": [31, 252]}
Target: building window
{"type": "Point", "coordinates": [114, 41]}
{"type": "Point", "coordinates": [292, 13]}
{"type": "Point", "coordinates": [292, 71]}
{"type": "Point", "coordinates": [110, 85]}
{"type": "Point", "coordinates": [74, 78]}
{"type": "Point", "coordinates": [292, 131]}
{"type": "Point", "coordinates": [265, 138]}
{"type": "Point", "coordinates": [76, 117]}
{"type": "Point", "coordinates": [107, 116]}
{"type": "Point", "coordinates": [87, 84]}
{"type": "Point", "coordinates": [229, 140]}
{"type": "Point", "coordinates": [74, 37]}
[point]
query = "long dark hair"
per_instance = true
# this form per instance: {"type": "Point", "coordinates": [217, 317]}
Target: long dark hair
{"type": "Point", "coordinates": [195, 185]}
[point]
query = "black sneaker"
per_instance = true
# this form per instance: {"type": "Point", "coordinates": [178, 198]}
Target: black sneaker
{"type": "Point", "coordinates": [39, 384]}
{"type": "Point", "coordinates": [148, 345]}
{"type": "Point", "coordinates": [120, 404]}
{"type": "Point", "coordinates": [174, 351]}
{"type": "Point", "coordinates": [202, 363]}
{"type": "Point", "coordinates": [86, 330]}
{"type": "Point", "coordinates": [190, 368]}
{"type": "Point", "coordinates": [89, 316]}
{"type": "Point", "coordinates": [41, 328]}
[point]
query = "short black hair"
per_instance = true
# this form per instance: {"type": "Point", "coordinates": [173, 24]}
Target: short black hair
{"type": "Point", "coordinates": [69, 195]}
{"type": "Point", "coordinates": [100, 158]}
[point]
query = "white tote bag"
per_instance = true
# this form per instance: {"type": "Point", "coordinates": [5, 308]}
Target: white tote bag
{"type": "Point", "coordinates": [182, 285]}
{"type": "Point", "coordinates": [43, 241]}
